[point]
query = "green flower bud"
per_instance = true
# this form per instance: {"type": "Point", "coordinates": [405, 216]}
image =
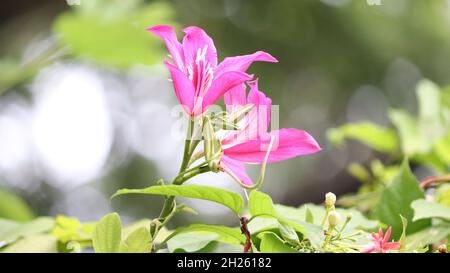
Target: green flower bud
{"type": "Point", "coordinates": [330, 199]}
{"type": "Point", "coordinates": [333, 218]}
{"type": "Point", "coordinates": [212, 146]}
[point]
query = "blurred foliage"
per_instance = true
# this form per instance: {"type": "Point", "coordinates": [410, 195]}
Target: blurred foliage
{"type": "Point", "coordinates": [114, 33]}
{"type": "Point", "coordinates": [13, 207]}
{"type": "Point", "coordinates": [425, 139]}
{"type": "Point", "coordinates": [12, 232]}
{"type": "Point", "coordinates": [325, 53]}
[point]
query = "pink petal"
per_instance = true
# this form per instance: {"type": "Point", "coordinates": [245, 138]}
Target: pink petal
{"type": "Point", "coordinates": [387, 235]}
{"type": "Point", "coordinates": [184, 89]}
{"type": "Point", "coordinates": [391, 246]}
{"type": "Point", "coordinates": [261, 102]}
{"type": "Point", "coordinates": [237, 168]}
{"type": "Point", "coordinates": [380, 234]}
{"type": "Point", "coordinates": [167, 34]}
{"type": "Point", "coordinates": [196, 39]}
{"type": "Point", "coordinates": [242, 63]}
{"type": "Point", "coordinates": [369, 249]}
{"type": "Point", "coordinates": [236, 95]}
{"type": "Point", "coordinates": [223, 84]}
{"type": "Point", "coordinates": [288, 143]}
{"type": "Point", "coordinates": [257, 120]}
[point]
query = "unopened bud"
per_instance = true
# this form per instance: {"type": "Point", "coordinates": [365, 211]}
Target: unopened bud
{"type": "Point", "coordinates": [333, 218]}
{"type": "Point", "coordinates": [442, 248]}
{"type": "Point", "coordinates": [330, 199]}
{"type": "Point", "coordinates": [348, 217]}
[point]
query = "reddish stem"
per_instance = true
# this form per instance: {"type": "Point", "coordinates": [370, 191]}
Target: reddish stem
{"type": "Point", "coordinates": [246, 232]}
{"type": "Point", "coordinates": [434, 179]}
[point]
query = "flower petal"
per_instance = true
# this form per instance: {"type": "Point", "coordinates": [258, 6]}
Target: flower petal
{"type": "Point", "coordinates": [387, 235]}
{"type": "Point", "coordinates": [236, 95]}
{"type": "Point", "coordinates": [184, 89]}
{"type": "Point", "coordinates": [242, 63]}
{"type": "Point", "coordinates": [223, 84]}
{"type": "Point", "coordinates": [391, 246]}
{"type": "Point", "coordinates": [167, 34]}
{"type": "Point", "coordinates": [369, 249]}
{"type": "Point", "coordinates": [237, 169]}
{"type": "Point", "coordinates": [262, 104]}
{"type": "Point", "coordinates": [194, 41]}
{"type": "Point", "coordinates": [288, 143]}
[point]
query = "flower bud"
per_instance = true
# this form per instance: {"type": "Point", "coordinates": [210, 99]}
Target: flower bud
{"type": "Point", "coordinates": [212, 146]}
{"type": "Point", "coordinates": [348, 217]}
{"type": "Point", "coordinates": [330, 199]}
{"type": "Point", "coordinates": [333, 218]}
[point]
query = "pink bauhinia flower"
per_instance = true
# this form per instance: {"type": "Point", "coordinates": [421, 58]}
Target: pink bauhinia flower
{"type": "Point", "coordinates": [197, 78]}
{"type": "Point", "coordinates": [251, 143]}
{"type": "Point", "coordinates": [381, 243]}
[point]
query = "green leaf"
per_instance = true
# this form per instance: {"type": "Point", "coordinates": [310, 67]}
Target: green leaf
{"type": "Point", "coordinates": [271, 243]}
{"type": "Point", "coordinates": [358, 221]}
{"type": "Point", "coordinates": [442, 195]}
{"type": "Point", "coordinates": [411, 139]}
{"type": "Point", "coordinates": [70, 229]}
{"type": "Point", "coordinates": [113, 34]}
{"type": "Point", "coordinates": [107, 234]}
{"type": "Point", "coordinates": [424, 209]}
{"type": "Point", "coordinates": [220, 247]}
{"type": "Point", "coordinates": [225, 234]}
{"type": "Point", "coordinates": [139, 241]}
{"type": "Point", "coordinates": [309, 217]}
{"type": "Point", "coordinates": [37, 243]}
{"type": "Point", "coordinates": [190, 242]}
{"type": "Point", "coordinates": [431, 115]}
{"type": "Point", "coordinates": [374, 136]}
{"type": "Point", "coordinates": [289, 234]}
{"type": "Point", "coordinates": [10, 231]}
{"type": "Point", "coordinates": [431, 235]}
{"type": "Point", "coordinates": [13, 207]}
{"type": "Point", "coordinates": [396, 199]}
{"type": "Point", "coordinates": [230, 199]}
{"type": "Point", "coordinates": [260, 204]}
{"type": "Point", "coordinates": [402, 239]}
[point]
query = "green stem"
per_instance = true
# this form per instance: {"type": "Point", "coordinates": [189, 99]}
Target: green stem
{"type": "Point", "coordinates": [170, 200]}
{"type": "Point", "coordinates": [187, 143]}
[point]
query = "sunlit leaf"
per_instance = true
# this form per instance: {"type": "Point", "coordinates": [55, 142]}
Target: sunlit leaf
{"type": "Point", "coordinates": [37, 243]}
{"type": "Point", "coordinates": [225, 234]}
{"type": "Point", "coordinates": [10, 231]}
{"type": "Point", "coordinates": [13, 207]}
{"type": "Point", "coordinates": [271, 243]}
{"type": "Point", "coordinates": [230, 199]}
{"type": "Point", "coordinates": [424, 209]}
{"type": "Point", "coordinates": [260, 204]}
{"type": "Point", "coordinates": [376, 137]}
{"type": "Point", "coordinates": [430, 235]}
{"type": "Point", "coordinates": [138, 241]}
{"type": "Point", "coordinates": [411, 139]}
{"type": "Point", "coordinates": [107, 234]}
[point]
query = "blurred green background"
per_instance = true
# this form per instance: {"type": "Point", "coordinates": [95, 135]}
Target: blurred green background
{"type": "Point", "coordinates": [85, 106]}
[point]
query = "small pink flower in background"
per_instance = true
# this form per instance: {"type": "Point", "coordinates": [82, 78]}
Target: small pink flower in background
{"type": "Point", "coordinates": [249, 145]}
{"type": "Point", "coordinates": [381, 244]}
{"type": "Point", "coordinates": [197, 78]}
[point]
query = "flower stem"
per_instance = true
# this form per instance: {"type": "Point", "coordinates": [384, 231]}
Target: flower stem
{"type": "Point", "coordinates": [187, 143]}
{"type": "Point", "coordinates": [434, 179]}
{"type": "Point", "coordinates": [183, 174]}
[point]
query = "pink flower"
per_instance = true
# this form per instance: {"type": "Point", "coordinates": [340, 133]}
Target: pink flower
{"type": "Point", "coordinates": [197, 78]}
{"type": "Point", "coordinates": [381, 244]}
{"type": "Point", "coordinates": [250, 144]}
